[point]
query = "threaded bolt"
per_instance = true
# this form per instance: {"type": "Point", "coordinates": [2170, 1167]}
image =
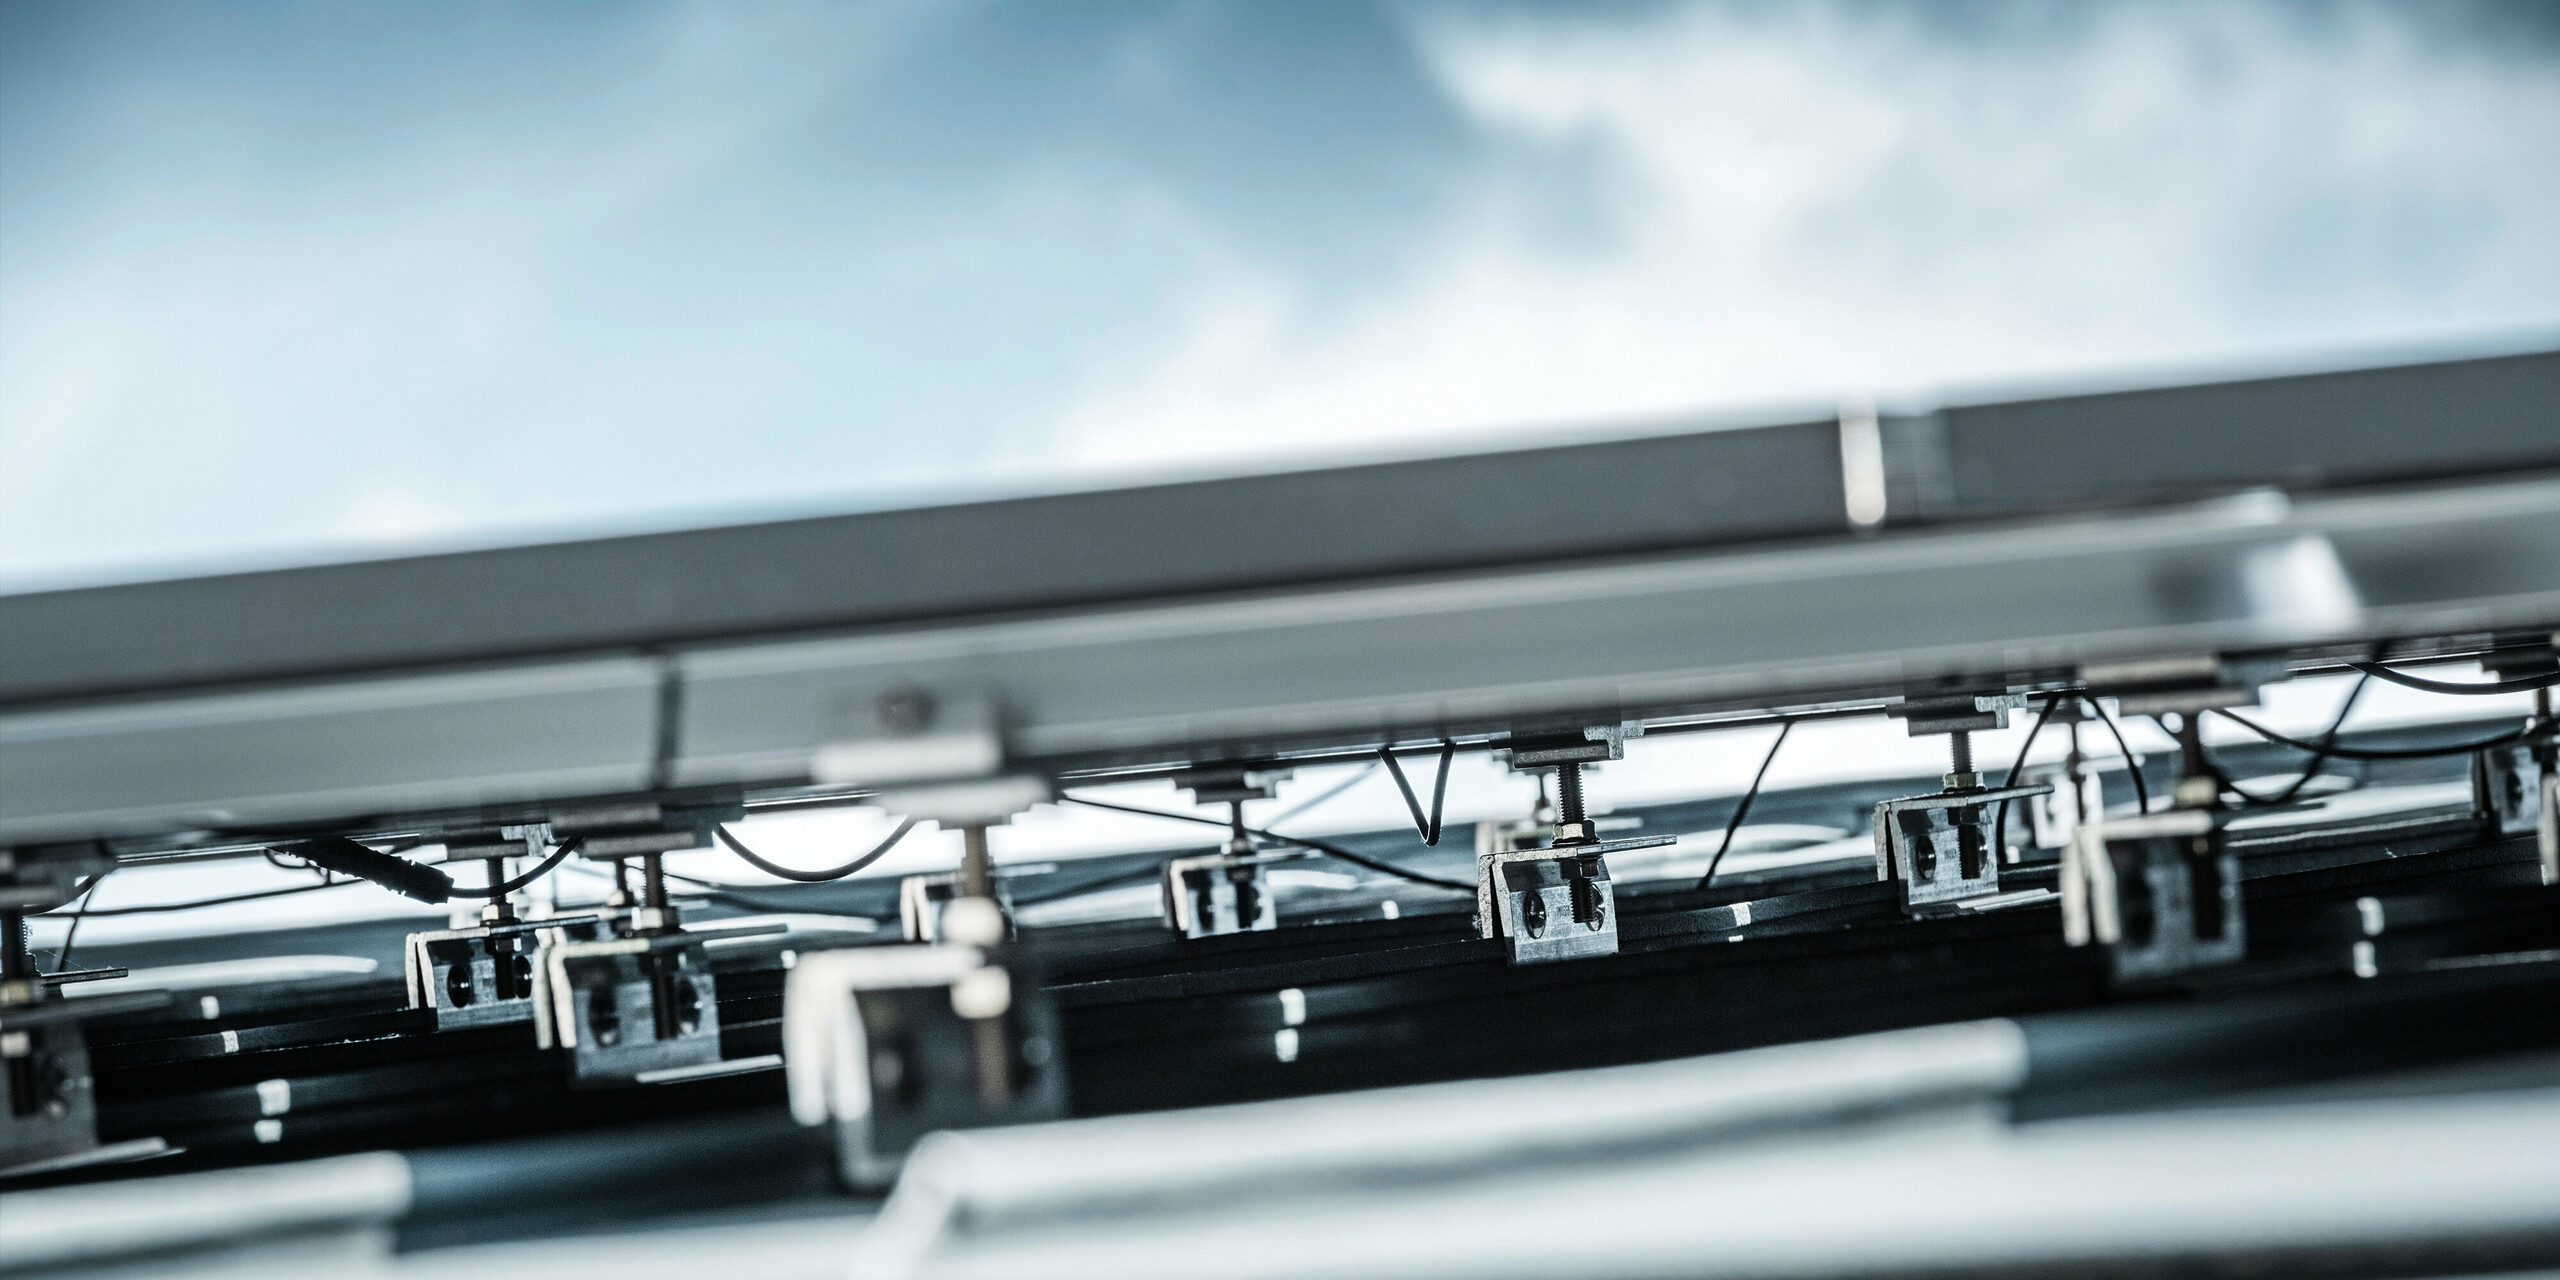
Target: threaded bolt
{"type": "Point", "coordinates": [499, 905]}
{"type": "Point", "coordinates": [1568, 793]}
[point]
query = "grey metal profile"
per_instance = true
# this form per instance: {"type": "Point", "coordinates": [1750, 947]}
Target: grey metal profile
{"type": "Point", "coordinates": [2484, 418]}
{"type": "Point", "coordinates": [1789, 624]}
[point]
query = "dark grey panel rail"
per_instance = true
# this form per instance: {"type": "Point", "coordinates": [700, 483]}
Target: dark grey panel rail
{"type": "Point", "coordinates": [2487, 417]}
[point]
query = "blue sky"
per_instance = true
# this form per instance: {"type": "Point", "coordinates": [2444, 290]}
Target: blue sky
{"type": "Point", "coordinates": [283, 282]}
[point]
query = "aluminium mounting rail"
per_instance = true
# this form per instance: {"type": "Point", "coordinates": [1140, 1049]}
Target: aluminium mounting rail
{"type": "Point", "coordinates": [1530, 588]}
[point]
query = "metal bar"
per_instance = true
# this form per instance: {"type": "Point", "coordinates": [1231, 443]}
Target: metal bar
{"type": "Point", "coordinates": [1466, 656]}
{"type": "Point", "coordinates": [2478, 418]}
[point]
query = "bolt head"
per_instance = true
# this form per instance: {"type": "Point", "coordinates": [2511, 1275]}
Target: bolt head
{"type": "Point", "coordinates": [1533, 914]}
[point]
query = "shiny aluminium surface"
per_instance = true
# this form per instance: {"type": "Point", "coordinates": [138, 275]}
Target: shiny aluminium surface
{"type": "Point", "coordinates": [2481, 418]}
{"type": "Point", "coordinates": [1787, 624]}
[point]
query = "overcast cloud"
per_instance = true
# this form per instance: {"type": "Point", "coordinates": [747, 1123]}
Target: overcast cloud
{"type": "Point", "coordinates": [284, 282]}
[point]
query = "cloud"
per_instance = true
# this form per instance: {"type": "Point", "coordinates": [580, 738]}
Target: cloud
{"type": "Point", "coordinates": [280, 314]}
{"type": "Point", "coordinates": [284, 286]}
{"type": "Point", "coordinates": [1706, 206]}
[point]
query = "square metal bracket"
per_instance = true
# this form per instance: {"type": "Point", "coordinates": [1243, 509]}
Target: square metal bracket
{"type": "Point", "coordinates": [2161, 892]}
{"type": "Point", "coordinates": [1939, 848]}
{"type": "Point", "coordinates": [2506, 784]}
{"type": "Point", "coordinates": [1217, 894]}
{"type": "Point", "coordinates": [1553, 903]}
{"type": "Point", "coordinates": [480, 976]}
{"type": "Point", "coordinates": [891, 1043]}
{"type": "Point", "coordinates": [48, 1100]}
{"type": "Point", "coordinates": [627, 1007]}
{"type": "Point", "coordinates": [2072, 803]}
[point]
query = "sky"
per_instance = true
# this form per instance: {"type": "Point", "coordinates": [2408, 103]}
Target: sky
{"type": "Point", "coordinates": [286, 282]}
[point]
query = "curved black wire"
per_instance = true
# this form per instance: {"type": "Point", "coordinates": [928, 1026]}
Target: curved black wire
{"type": "Point", "coordinates": [541, 869]}
{"type": "Point", "coordinates": [1137, 875]}
{"type": "Point", "coordinates": [2383, 753]}
{"type": "Point", "coordinates": [2221, 779]}
{"type": "Point", "coordinates": [225, 901]}
{"type": "Point", "coordinates": [1329, 850]}
{"type": "Point", "coordinates": [1428, 830]}
{"type": "Point", "coordinates": [2424, 685]}
{"type": "Point", "coordinates": [1743, 809]}
{"type": "Point", "coordinates": [2000, 821]}
{"type": "Point", "coordinates": [2133, 767]}
{"type": "Point", "coordinates": [878, 852]}
{"type": "Point", "coordinates": [2311, 767]}
{"type": "Point", "coordinates": [80, 911]}
{"type": "Point", "coordinates": [717, 891]}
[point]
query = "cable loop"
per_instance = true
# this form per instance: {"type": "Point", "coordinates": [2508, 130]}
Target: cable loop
{"type": "Point", "coordinates": [878, 851]}
{"type": "Point", "coordinates": [1428, 829]}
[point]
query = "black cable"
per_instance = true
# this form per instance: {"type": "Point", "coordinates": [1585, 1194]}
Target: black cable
{"type": "Point", "coordinates": [721, 892]}
{"type": "Point", "coordinates": [500, 890]}
{"type": "Point", "coordinates": [728, 893]}
{"type": "Point", "coordinates": [1143, 874]}
{"type": "Point", "coordinates": [878, 851]}
{"type": "Point", "coordinates": [354, 858]}
{"type": "Point", "coordinates": [2328, 740]}
{"type": "Point", "coordinates": [2546, 680]}
{"type": "Point", "coordinates": [2000, 821]}
{"type": "Point", "coordinates": [1743, 809]}
{"type": "Point", "coordinates": [2383, 753]}
{"type": "Point", "coordinates": [2133, 767]}
{"type": "Point", "coordinates": [1115, 880]}
{"type": "Point", "coordinates": [2310, 769]}
{"type": "Point", "coordinates": [220, 902]}
{"type": "Point", "coordinates": [2221, 780]}
{"type": "Point", "coordinates": [1330, 850]}
{"type": "Point", "coordinates": [1430, 830]}
{"type": "Point", "coordinates": [62, 954]}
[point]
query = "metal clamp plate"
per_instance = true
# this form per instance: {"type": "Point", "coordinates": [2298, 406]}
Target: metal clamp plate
{"type": "Point", "coordinates": [2161, 892]}
{"type": "Point", "coordinates": [1216, 894]}
{"type": "Point", "coordinates": [1939, 847]}
{"type": "Point", "coordinates": [627, 1006]}
{"type": "Point", "coordinates": [1553, 903]}
{"type": "Point", "coordinates": [892, 1043]}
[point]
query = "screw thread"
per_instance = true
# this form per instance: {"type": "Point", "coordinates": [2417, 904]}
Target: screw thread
{"type": "Point", "coordinates": [498, 876]}
{"type": "Point", "coordinates": [1568, 793]}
